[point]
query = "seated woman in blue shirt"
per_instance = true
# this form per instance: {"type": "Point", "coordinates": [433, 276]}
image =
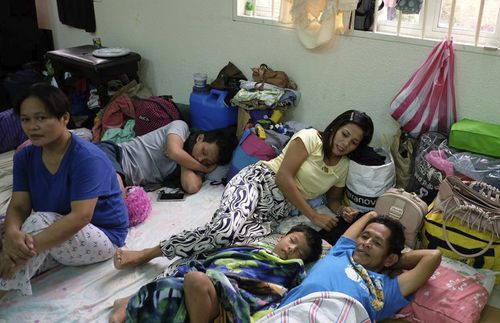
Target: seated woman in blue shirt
{"type": "Point", "coordinates": [66, 205]}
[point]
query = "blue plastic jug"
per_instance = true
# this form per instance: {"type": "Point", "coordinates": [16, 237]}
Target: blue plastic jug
{"type": "Point", "coordinates": [209, 111]}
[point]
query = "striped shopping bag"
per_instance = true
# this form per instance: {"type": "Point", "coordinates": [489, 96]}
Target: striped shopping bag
{"type": "Point", "coordinates": [427, 101]}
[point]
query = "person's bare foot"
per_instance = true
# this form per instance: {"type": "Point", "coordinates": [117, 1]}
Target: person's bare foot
{"type": "Point", "coordinates": [131, 258]}
{"type": "Point", "coordinates": [119, 313]}
{"type": "Point", "coordinates": [127, 258]}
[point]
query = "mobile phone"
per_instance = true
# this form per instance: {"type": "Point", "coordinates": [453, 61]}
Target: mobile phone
{"type": "Point", "coordinates": [170, 196]}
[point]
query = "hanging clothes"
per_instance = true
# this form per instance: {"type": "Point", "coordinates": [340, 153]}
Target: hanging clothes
{"type": "Point", "coordinates": [78, 14]}
{"type": "Point", "coordinates": [409, 6]}
{"type": "Point", "coordinates": [314, 21]}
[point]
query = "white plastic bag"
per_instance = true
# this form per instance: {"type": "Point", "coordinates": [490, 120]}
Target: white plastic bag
{"type": "Point", "coordinates": [366, 183]}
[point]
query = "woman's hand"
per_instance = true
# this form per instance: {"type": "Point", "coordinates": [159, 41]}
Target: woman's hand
{"type": "Point", "coordinates": [7, 266]}
{"type": "Point", "coordinates": [18, 246]}
{"type": "Point", "coordinates": [348, 213]}
{"type": "Point", "coordinates": [325, 221]}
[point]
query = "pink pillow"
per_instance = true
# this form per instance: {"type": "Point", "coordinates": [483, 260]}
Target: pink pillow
{"type": "Point", "coordinates": [448, 296]}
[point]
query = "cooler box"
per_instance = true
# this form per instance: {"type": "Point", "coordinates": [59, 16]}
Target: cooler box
{"type": "Point", "coordinates": [209, 111]}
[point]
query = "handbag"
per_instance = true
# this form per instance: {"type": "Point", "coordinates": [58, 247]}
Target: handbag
{"type": "Point", "coordinates": [475, 203]}
{"type": "Point", "coordinates": [228, 80]}
{"type": "Point", "coordinates": [427, 101]}
{"type": "Point", "coordinates": [264, 74]}
{"type": "Point", "coordinates": [456, 240]}
{"type": "Point", "coordinates": [407, 208]}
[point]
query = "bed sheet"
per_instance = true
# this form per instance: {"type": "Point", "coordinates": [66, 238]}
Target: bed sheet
{"type": "Point", "coordinates": [5, 179]}
{"type": "Point", "coordinates": [86, 294]}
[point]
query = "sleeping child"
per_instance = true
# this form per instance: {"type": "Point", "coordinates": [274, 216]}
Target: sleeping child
{"type": "Point", "coordinates": [232, 283]}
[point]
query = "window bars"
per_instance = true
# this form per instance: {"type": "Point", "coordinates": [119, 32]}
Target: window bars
{"type": "Point", "coordinates": [425, 15]}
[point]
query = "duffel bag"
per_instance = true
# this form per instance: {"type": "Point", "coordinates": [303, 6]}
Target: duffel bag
{"type": "Point", "coordinates": [476, 136]}
{"type": "Point", "coordinates": [478, 249]}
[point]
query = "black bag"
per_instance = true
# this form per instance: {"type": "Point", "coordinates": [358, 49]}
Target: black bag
{"type": "Point", "coordinates": [426, 178]}
{"type": "Point", "coordinates": [228, 80]}
{"type": "Point", "coordinates": [364, 14]}
{"type": "Point", "coordinates": [17, 84]}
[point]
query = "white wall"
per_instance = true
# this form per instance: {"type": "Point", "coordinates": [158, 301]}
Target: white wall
{"type": "Point", "coordinates": [178, 38]}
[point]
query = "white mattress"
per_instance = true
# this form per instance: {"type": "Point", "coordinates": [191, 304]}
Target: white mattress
{"type": "Point", "coordinates": [83, 294]}
{"type": "Point", "coordinates": [86, 294]}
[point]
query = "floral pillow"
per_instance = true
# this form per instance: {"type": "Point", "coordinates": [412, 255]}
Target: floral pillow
{"type": "Point", "coordinates": [455, 293]}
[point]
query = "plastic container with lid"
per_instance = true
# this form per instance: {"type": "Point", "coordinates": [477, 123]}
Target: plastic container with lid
{"type": "Point", "coordinates": [209, 111]}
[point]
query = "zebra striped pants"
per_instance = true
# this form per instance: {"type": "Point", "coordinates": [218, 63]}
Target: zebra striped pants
{"type": "Point", "coordinates": [250, 205]}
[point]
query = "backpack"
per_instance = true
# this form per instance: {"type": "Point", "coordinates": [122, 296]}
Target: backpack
{"type": "Point", "coordinates": [405, 207]}
{"type": "Point", "coordinates": [153, 113]}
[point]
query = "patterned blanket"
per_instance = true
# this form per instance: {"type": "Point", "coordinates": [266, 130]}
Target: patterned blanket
{"type": "Point", "coordinates": [250, 281]}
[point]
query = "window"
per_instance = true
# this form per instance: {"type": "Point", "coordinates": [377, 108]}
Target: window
{"type": "Point", "coordinates": [259, 9]}
{"type": "Point", "coordinates": [474, 21]}
{"type": "Point", "coordinates": [262, 11]}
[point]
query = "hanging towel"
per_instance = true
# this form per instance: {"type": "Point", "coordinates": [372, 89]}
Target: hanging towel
{"type": "Point", "coordinates": [78, 14]}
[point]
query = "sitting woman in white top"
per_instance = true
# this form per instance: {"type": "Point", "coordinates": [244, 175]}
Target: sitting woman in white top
{"type": "Point", "coordinates": [358, 266]}
{"type": "Point", "coordinates": [261, 195]}
{"type": "Point", "coordinates": [151, 158]}
{"type": "Point", "coordinates": [66, 205]}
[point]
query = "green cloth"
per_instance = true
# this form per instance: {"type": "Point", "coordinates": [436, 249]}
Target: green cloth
{"type": "Point", "coordinates": [118, 135]}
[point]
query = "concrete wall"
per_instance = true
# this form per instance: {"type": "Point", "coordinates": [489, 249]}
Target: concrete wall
{"type": "Point", "coordinates": [179, 38]}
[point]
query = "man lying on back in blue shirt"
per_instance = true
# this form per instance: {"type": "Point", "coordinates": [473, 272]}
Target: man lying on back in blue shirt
{"type": "Point", "coordinates": [359, 262]}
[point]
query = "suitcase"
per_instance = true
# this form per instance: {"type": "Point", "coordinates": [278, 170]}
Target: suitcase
{"type": "Point", "coordinates": [405, 207]}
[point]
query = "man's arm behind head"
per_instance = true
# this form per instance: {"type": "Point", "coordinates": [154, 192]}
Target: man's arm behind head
{"type": "Point", "coordinates": [421, 264]}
